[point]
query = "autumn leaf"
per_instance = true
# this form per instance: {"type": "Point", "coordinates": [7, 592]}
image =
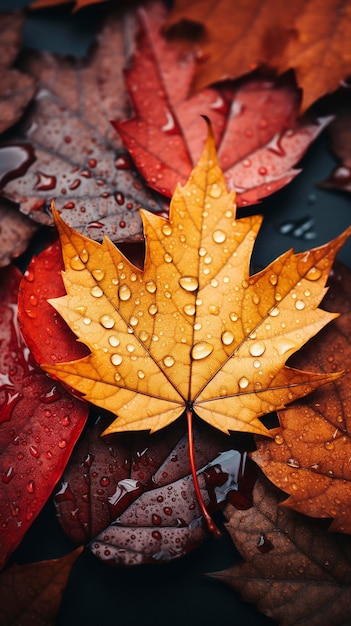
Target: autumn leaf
{"type": "Point", "coordinates": [172, 337]}
{"type": "Point", "coordinates": [79, 158]}
{"type": "Point", "coordinates": [310, 37]}
{"type": "Point", "coordinates": [122, 487]}
{"type": "Point", "coordinates": [293, 570]}
{"type": "Point", "coordinates": [254, 122]}
{"type": "Point", "coordinates": [30, 594]}
{"type": "Point", "coordinates": [309, 458]}
{"type": "Point", "coordinates": [39, 424]}
{"type": "Point", "coordinates": [16, 88]}
{"type": "Point", "coordinates": [16, 230]}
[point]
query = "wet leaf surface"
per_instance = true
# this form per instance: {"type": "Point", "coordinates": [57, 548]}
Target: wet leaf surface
{"type": "Point", "coordinates": [340, 139]}
{"type": "Point", "coordinates": [310, 38]}
{"type": "Point", "coordinates": [30, 594]}
{"type": "Point", "coordinates": [16, 88]}
{"type": "Point", "coordinates": [293, 570]}
{"type": "Point", "coordinates": [133, 496]}
{"type": "Point", "coordinates": [40, 423]}
{"type": "Point", "coordinates": [309, 458]}
{"type": "Point", "coordinates": [228, 368]}
{"type": "Point", "coordinates": [255, 122]}
{"type": "Point", "coordinates": [79, 158]}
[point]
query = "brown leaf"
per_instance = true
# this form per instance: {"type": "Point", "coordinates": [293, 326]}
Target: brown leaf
{"type": "Point", "coordinates": [310, 37]}
{"type": "Point", "coordinates": [254, 122]}
{"type": "Point", "coordinates": [310, 456]}
{"type": "Point", "coordinates": [79, 157]}
{"type": "Point", "coordinates": [16, 88]}
{"type": "Point", "coordinates": [133, 496]}
{"type": "Point", "coordinates": [16, 230]}
{"type": "Point", "coordinates": [294, 571]}
{"type": "Point", "coordinates": [31, 594]}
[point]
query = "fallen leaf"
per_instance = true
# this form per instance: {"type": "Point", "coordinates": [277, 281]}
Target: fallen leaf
{"type": "Point", "coordinates": [172, 337]}
{"type": "Point", "coordinates": [340, 139]}
{"type": "Point", "coordinates": [309, 458]}
{"type": "Point", "coordinates": [254, 122]}
{"type": "Point", "coordinates": [16, 88]}
{"type": "Point", "coordinates": [79, 158]}
{"type": "Point", "coordinates": [30, 594]}
{"type": "Point", "coordinates": [133, 497]}
{"type": "Point", "coordinates": [310, 37]}
{"type": "Point", "coordinates": [39, 424]}
{"type": "Point", "coordinates": [46, 334]}
{"type": "Point", "coordinates": [16, 230]}
{"type": "Point", "coordinates": [294, 571]}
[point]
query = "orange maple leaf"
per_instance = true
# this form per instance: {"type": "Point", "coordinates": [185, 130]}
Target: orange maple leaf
{"type": "Point", "coordinates": [192, 331]}
{"type": "Point", "coordinates": [310, 37]}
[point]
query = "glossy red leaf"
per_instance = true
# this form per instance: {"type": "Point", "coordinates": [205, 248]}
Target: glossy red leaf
{"type": "Point", "coordinates": [255, 121]}
{"type": "Point", "coordinates": [39, 424]}
{"type": "Point", "coordinates": [133, 494]}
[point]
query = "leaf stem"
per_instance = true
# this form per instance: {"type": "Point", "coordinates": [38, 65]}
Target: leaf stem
{"type": "Point", "coordinates": [207, 517]}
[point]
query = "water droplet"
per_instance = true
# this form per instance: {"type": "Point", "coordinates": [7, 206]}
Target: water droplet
{"type": "Point", "coordinates": [30, 486]}
{"type": "Point", "coordinates": [130, 348]}
{"type": "Point", "coordinates": [124, 293]}
{"type": "Point", "coordinates": [144, 336]}
{"type": "Point", "coordinates": [219, 236]}
{"type": "Point", "coordinates": [233, 317]}
{"type": "Point", "coordinates": [273, 279]}
{"type": "Point", "coordinates": [86, 321]}
{"type": "Point", "coordinates": [167, 229]}
{"type": "Point", "coordinates": [141, 374]}
{"type": "Point", "coordinates": [104, 481]}
{"type": "Point", "coordinates": [116, 359]}
{"type": "Point", "coordinates": [168, 361]}
{"type": "Point", "coordinates": [299, 305]}
{"type": "Point", "coordinates": [118, 377]}
{"type": "Point", "coordinates": [76, 263]}
{"type": "Point", "coordinates": [213, 309]}
{"type": "Point", "coordinates": [153, 309]}
{"type": "Point", "coordinates": [189, 283]}
{"type": "Point", "coordinates": [257, 348]}
{"type": "Point", "coordinates": [96, 291]}
{"type": "Point", "coordinates": [167, 510]}
{"type": "Point", "coordinates": [279, 440]}
{"type": "Point", "coordinates": [62, 444]}
{"type": "Point", "coordinates": [133, 321]}
{"type": "Point", "coordinates": [189, 309]}
{"type": "Point", "coordinates": [274, 312]}
{"type": "Point", "coordinates": [150, 286]}
{"type": "Point", "coordinates": [98, 274]}
{"type": "Point", "coordinates": [227, 338]}
{"type": "Point", "coordinates": [313, 274]}
{"type": "Point", "coordinates": [107, 321]}
{"type": "Point", "coordinates": [156, 521]}
{"type": "Point", "coordinates": [113, 341]}
{"type": "Point", "coordinates": [168, 257]}
{"type": "Point", "coordinates": [201, 350]}
{"type": "Point", "coordinates": [329, 445]}
{"type": "Point", "coordinates": [243, 382]}
{"type": "Point", "coordinates": [84, 255]}
{"type": "Point", "coordinates": [34, 452]}
{"type": "Point", "coordinates": [215, 191]}
{"type": "Point", "coordinates": [8, 475]}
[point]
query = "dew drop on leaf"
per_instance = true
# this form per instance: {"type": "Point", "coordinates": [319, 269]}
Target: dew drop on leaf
{"type": "Point", "coordinates": [107, 321]}
{"type": "Point", "coordinates": [124, 293]}
{"type": "Point", "coordinates": [189, 283]}
{"type": "Point", "coordinates": [201, 350]}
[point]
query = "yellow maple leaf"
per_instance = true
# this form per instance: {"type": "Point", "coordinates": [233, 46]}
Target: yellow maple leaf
{"type": "Point", "coordinates": [193, 330]}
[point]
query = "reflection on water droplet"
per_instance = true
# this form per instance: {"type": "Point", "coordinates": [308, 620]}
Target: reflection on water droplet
{"type": "Point", "coordinates": [30, 486]}
{"type": "Point", "coordinates": [299, 305]}
{"type": "Point", "coordinates": [118, 377]}
{"type": "Point", "coordinates": [98, 274]}
{"type": "Point", "coordinates": [84, 255]}
{"type": "Point", "coordinates": [168, 361]}
{"type": "Point", "coordinates": [116, 359]}
{"type": "Point", "coordinates": [273, 279]}
{"type": "Point", "coordinates": [314, 273]}
{"type": "Point", "coordinates": [133, 321]}
{"type": "Point", "coordinates": [215, 191]}
{"type": "Point", "coordinates": [86, 321]}
{"type": "Point", "coordinates": [233, 317]}
{"type": "Point", "coordinates": [96, 291]}
{"type": "Point", "coordinates": [189, 309]}
{"type": "Point", "coordinates": [219, 236]}
{"type": "Point", "coordinates": [76, 263]}
{"type": "Point", "coordinates": [113, 341]}
{"type": "Point", "coordinates": [141, 374]}
{"type": "Point", "coordinates": [227, 338]}
{"type": "Point", "coordinates": [168, 257]}
{"type": "Point", "coordinates": [213, 309]}
{"type": "Point", "coordinates": [150, 286]}
{"type": "Point", "coordinates": [201, 350]}
{"type": "Point", "coordinates": [279, 440]}
{"type": "Point", "coordinates": [130, 347]}
{"type": "Point", "coordinates": [124, 293]}
{"type": "Point", "coordinates": [167, 229]}
{"type": "Point", "coordinates": [274, 312]}
{"type": "Point", "coordinates": [144, 336]}
{"type": "Point", "coordinates": [107, 321]}
{"type": "Point", "coordinates": [329, 445]}
{"type": "Point", "coordinates": [243, 382]}
{"type": "Point", "coordinates": [189, 283]}
{"type": "Point", "coordinates": [257, 348]}
{"type": "Point", "coordinates": [153, 309]}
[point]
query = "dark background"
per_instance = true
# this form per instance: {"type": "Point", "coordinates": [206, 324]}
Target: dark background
{"type": "Point", "coordinates": [178, 593]}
